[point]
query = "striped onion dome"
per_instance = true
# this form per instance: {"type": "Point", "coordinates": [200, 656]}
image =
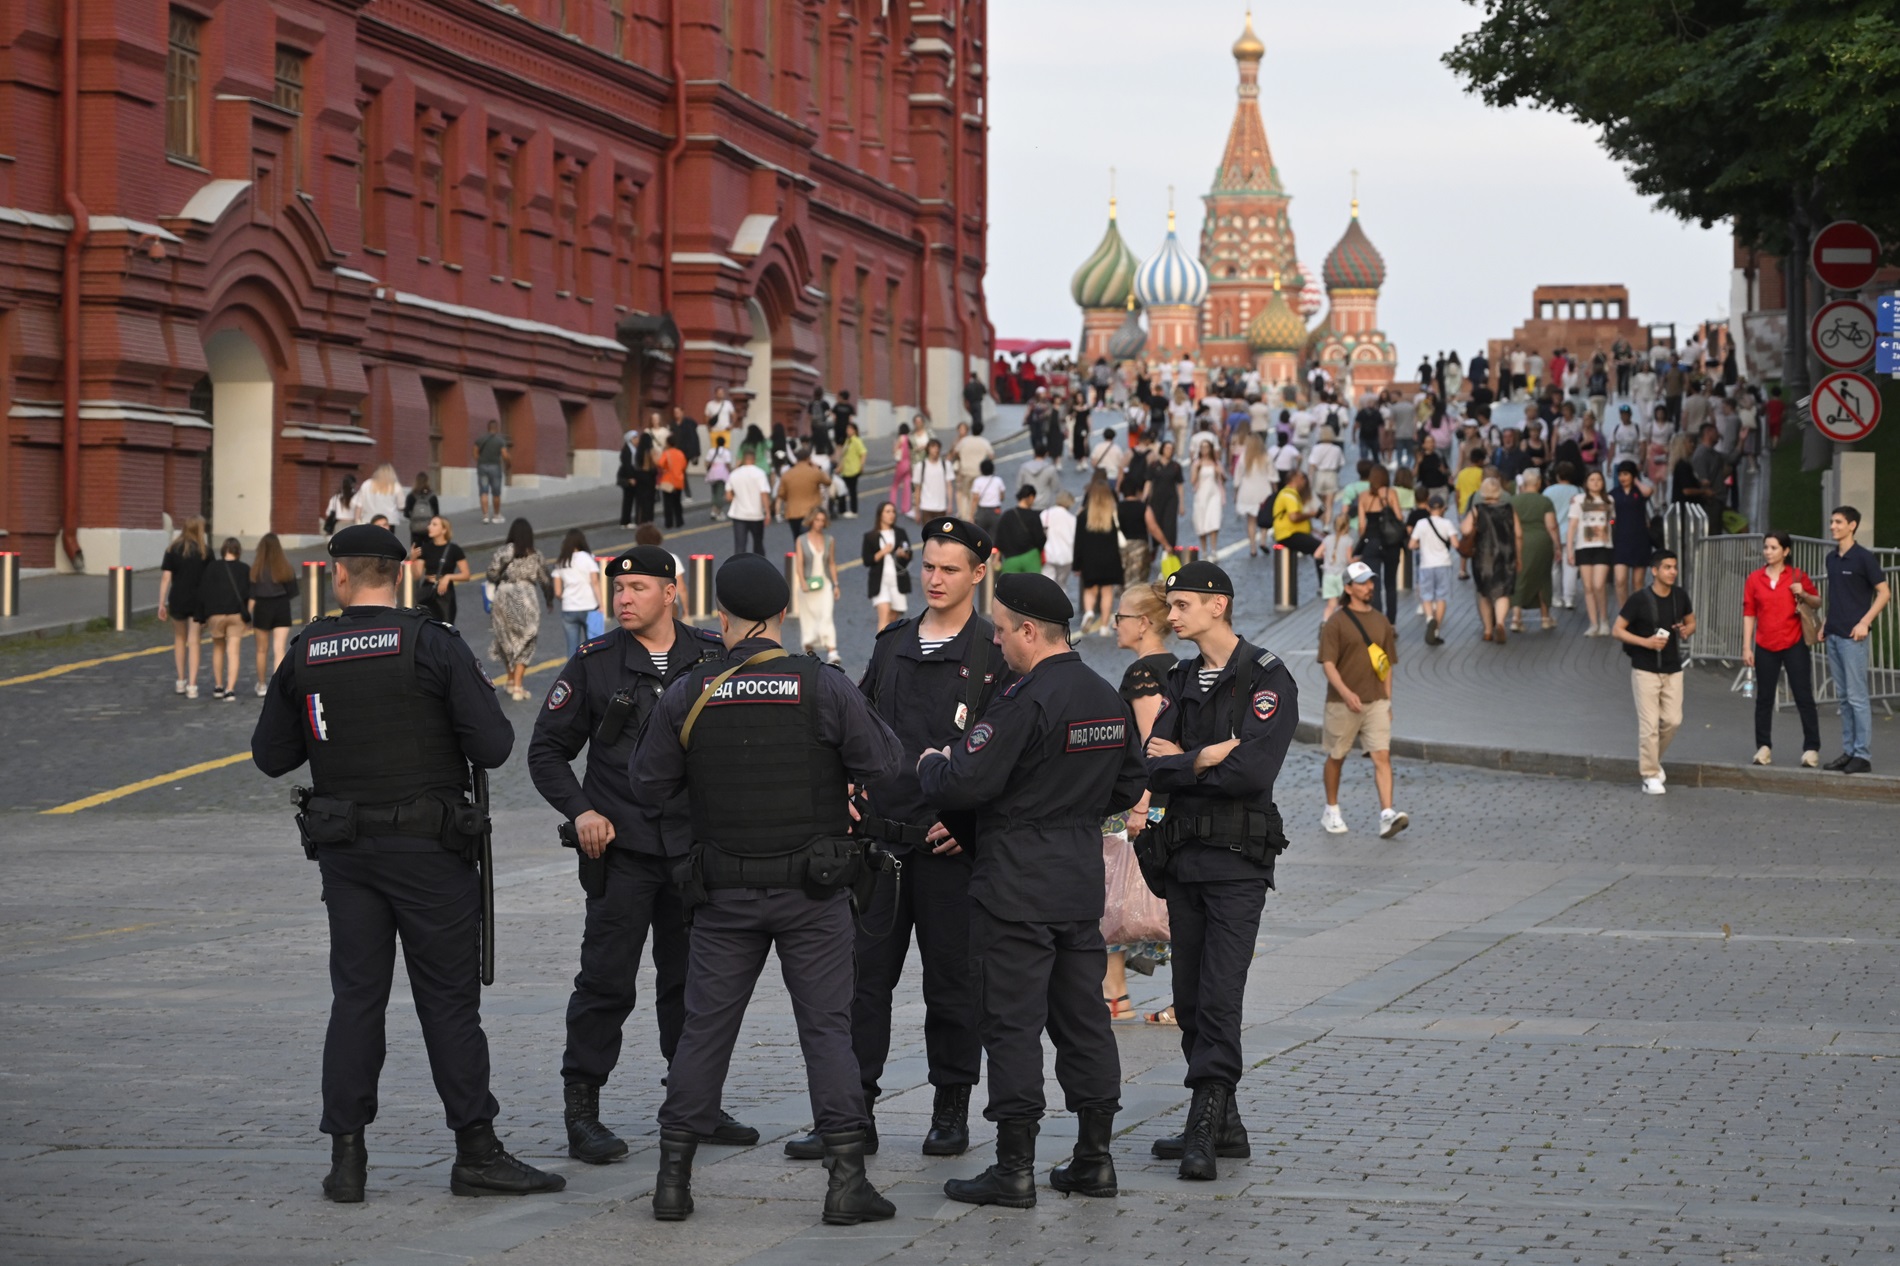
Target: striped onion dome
{"type": "Point", "coordinates": [1126, 343]}
{"type": "Point", "coordinates": [1354, 264]}
{"type": "Point", "coordinates": [1107, 277]}
{"type": "Point", "coordinates": [1276, 327]}
{"type": "Point", "coordinates": [1171, 277]}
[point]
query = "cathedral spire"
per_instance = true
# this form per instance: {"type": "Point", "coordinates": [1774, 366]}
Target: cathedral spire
{"type": "Point", "coordinates": [1247, 164]}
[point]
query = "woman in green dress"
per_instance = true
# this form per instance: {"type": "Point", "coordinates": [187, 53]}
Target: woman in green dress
{"type": "Point", "coordinates": [1538, 518]}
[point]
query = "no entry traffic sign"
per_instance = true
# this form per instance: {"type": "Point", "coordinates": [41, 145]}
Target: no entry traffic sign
{"type": "Point", "coordinates": [1846, 255]}
{"type": "Point", "coordinates": [1842, 333]}
{"type": "Point", "coordinates": [1846, 407]}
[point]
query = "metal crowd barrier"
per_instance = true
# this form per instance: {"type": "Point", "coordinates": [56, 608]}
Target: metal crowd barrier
{"type": "Point", "coordinates": [1722, 567]}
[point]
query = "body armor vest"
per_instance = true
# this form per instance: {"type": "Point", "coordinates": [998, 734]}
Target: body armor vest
{"type": "Point", "coordinates": [764, 789]}
{"type": "Point", "coordinates": [373, 736]}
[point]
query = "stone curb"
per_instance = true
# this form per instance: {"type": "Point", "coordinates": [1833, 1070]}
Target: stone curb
{"type": "Point", "coordinates": [1815, 783]}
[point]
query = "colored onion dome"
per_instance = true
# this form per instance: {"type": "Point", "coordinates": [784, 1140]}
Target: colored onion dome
{"type": "Point", "coordinates": [1248, 47]}
{"type": "Point", "coordinates": [1127, 341]}
{"type": "Point", "coordinates": [1312, 295]}
{"type": "Point", "coordinates": [1354, 264]}
{"type": "Point", "coordinates": [1276, 327]}
{"type": "Point", "coordinates": [1171, 277]}
{"type": "Point", "coordinates": [1107, 277]}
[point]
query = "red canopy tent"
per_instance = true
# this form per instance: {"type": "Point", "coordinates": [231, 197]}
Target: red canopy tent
{"type": "Point", "coordinates": [1030, 346]}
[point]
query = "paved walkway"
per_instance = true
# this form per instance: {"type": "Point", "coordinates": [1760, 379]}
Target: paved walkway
{"type": "Point", "coordinates": [1574, 1027]}
{"type": "Point", "coordinates": [1555, 694]}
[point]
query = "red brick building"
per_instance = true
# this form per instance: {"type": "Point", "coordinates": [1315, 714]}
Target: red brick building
{"type": "Point", "coordinates": [316, 235]}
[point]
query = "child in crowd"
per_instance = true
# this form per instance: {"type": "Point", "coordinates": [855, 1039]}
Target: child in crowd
{"type": "Point", "coordinates": [1336, 552]}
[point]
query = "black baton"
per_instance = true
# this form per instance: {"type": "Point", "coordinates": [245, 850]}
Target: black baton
{"type": "Point", "coordinates": [486, 864]}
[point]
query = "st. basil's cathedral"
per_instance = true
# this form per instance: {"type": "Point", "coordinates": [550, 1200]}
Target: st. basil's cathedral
{"type": "Point", "coordinates": [1245, 301]}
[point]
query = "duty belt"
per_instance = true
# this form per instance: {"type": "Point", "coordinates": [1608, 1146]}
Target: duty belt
{"type": "Point", "coordinates": [424, 816]}
{"type": "Point", "coordinates": [893, 831]}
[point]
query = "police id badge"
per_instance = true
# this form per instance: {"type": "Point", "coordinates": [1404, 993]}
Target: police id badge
{"type": "Point", "coordinates": [963, 717]}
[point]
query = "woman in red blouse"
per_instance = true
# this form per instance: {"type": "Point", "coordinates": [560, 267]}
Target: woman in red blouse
{"type": "Point", "coordinates": [1771, 634]}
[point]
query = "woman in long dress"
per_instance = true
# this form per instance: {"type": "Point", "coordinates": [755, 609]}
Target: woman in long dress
{"type": "Point", "coordinates": [1210, 498]}
{"type": "Point", "coordinates": [1252, 487]}
{"type": "Point", "coordinates": [522, 584]}
{"type": "Point", "coordinates": [935, 481]}
{"type": "Point", "coordinates": [900, 471]}
{"type": "Point", "coordinates": [1493, 523]}
{"type": "Point", "coordinates": [817, 586]}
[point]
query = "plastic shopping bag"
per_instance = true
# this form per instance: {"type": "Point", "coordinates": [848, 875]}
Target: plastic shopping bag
{"type": "Point", "coordinates": [1131, 913]}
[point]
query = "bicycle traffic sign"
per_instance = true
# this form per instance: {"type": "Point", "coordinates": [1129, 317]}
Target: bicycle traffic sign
{"type": "Point", "coordinates": [1845, 255]}
{"type": "Point", "coordinates": [1846, 407]}
{"type": "Point", "coordinates": [1842, 333]}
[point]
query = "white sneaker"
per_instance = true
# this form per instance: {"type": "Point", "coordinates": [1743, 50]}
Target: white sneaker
{"type": "Point", "coordinates": [1331, 822]}
{"type": "Point", "coordinates": [260, 690]}
{"type": "Point", "coordinates": [178, 685]}
{"type": "Point", "coordinates": [1391, 822]}
{"type": "Point", "coordinates": [1764, 756]}
{"type": "Point", "coordinates": [191, 691]}
{"type": "Point", "coordinates": [230, 696]}
{"type": "Point", "coordinates": [1654, 787]}
{"type": "Point", "coordinates": [1810, 760]}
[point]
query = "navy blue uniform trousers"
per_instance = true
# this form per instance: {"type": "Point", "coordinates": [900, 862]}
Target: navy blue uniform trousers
{"type": "Point", "coordinates": [731, 933]}
{"type": "Point", "coordinates": [640, 897]}
{"type": "Point", "coordinates": [432, 901]}
{"type": "Point", "coordinates": [1213, 926]}
{"type": "Point", "coordinates": [933, 901]}
{"type": "Point", "coordinates": [1037, 976]}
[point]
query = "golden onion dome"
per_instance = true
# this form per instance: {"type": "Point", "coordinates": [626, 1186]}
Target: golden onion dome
{"type": "Point", "coordinates": [1276, 327]}
{"type": "Point", "coordinates": [1248, 47]}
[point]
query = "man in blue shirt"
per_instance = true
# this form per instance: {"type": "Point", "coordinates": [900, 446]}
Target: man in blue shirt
{"type": "Point", "coordinates": [1857, 591]}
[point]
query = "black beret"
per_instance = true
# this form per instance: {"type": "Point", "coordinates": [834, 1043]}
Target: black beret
{"type": "Point", "coordinates": [751, 588]}
{"type": "Point", "coordinates": [966, 534]}
{"type": "Point", "coordinates": [1201, 578]}
{"type": "Point", "coordinates": [644, 560]}
{"type": "Point", "coordinates": [366, 540]}
{"type": "Point", "coordinates": [1034, 595]}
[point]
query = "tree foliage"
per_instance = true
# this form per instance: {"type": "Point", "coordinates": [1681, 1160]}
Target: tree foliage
{"type": "Point", "coordinates": [1775, 115]}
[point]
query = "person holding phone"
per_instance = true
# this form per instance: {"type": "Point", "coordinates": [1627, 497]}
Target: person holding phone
{"type": "Point", "coordinates": [1652, 626]}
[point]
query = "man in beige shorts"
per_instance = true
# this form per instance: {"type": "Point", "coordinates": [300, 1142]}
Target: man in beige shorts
{"type": "Point", "coordinates": [1358, 648]}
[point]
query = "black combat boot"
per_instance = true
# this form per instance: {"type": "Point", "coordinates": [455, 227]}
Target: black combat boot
{"type": "Point", "coordinates": [1091, 1170]}
{"type": "Point", "coordinates": [483, 1168]}
{"type": "Point", "coordinates": [673, 1189]}
{"type": "Point", "coordinates": [730, 1133]}
{"type": "Point", "coordinates": [349, 1168]}
{"type": "Point", "coordinates": [849, 1197]}
{"type": "Point", "coordinates": [1205, 1115]}
{"type": "Point", "coordinates": [1231, 1141]}
{"type": "Point", "coordinates": [812, 1146]}
{"type": "Point", "coordinates": [949, 1122]}
{"type": "Point", "coordinates": [587, 1139]}
{"type": "Point", "coordinates": [1011, 1181]}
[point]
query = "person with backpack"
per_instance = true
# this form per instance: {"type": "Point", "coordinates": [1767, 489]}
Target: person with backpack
{"type": "Point", "coordinates": [1357, 650]}
{"type": "Point", "coordinates": [419, 507]}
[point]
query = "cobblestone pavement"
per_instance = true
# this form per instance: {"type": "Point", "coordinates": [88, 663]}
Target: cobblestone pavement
{"type": "Point", "coordinates": [1551, 1023]}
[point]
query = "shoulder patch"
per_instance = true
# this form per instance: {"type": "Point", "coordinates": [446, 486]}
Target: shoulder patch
{"type": "Point", "coordinates": [1265, 704]}
{"type": "Point", "coordinates": [1267, 659]}
{"type": "Point", "coordinates": [1101, 735]}
{"type": "Point", "coordinates": [598, 644]}
{"type": "Point", "coordinates": [560, 696]}
{"type": "Point", "coordinates": [1010, 690]}
{"type": "Point", "coordinates": [979, 737]}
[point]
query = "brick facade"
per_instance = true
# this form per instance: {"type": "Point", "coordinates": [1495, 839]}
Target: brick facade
{"type": "Point", "coordinates": [325, 234]}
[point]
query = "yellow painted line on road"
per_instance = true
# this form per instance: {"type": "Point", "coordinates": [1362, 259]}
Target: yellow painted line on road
{"type": "Point", "coordinates": [76, 665]}
{"type": "Point", "coordinates": [130, 927]}
{"type": "Point", "coordinates": [146, 784]}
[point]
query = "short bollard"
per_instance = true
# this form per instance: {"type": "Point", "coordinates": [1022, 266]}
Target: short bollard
{"type": "Point", "coordinates": [1286, 593]}
{"type": "Point", "coordinates": [119, 597]}
{"type": "Point", "coordinates": [699, 592]}
{"type": "Point", "coordinates": [9, 584]}
{"type": "Point", "coordinates": [313, 574]}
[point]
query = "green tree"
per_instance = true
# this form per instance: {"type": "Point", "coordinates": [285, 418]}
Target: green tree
{"type": "Point", "coordinates": [1776, 116]}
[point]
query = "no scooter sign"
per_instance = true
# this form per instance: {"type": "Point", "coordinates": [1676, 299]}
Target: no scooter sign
{"type": "Point", "coordinates": [1846, 407]}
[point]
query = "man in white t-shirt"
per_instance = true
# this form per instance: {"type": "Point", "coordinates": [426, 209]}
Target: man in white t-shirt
{"type": "Point", "coordinates": [1259, 415]}
{"type": "Point", "coordinates": [1111, 458]}
{"type": "Point", "coordinates": [749, 504]}
{"type": "Point", "coordinates": [1323, 465]}
{"type": "Point", "coordinates": [719, 411]}
{"type": "Point", "coordinates": [969, 453]}
{"type": "Point", "coordinates": [1434, 537]}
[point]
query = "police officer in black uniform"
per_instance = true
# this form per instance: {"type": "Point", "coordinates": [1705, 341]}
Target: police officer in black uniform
{"type": "Point", "coordinates": [765, 744]}
{"type": "Point", "coordinates": [1216, 749]}
{"type": "Point", "coordinates": [930, 679]}
{"type": "Point", "coordinates": [390, 707]}
{"type": "Point", "coordinates": [600, 702]}
{"type": "Point", "coordinates": [1056, 753]}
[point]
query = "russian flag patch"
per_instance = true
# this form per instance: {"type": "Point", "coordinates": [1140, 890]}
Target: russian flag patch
{"type": "Point", "coordinates": [313, 712]}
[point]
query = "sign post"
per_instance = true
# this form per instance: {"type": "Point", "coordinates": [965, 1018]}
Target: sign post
{"type": "Point", "coordinates": [1845, 407]}
{"type": "Point", "coordinates": [1845, 255]}
{"type": "Point", "coordinates": [1842, 333]}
